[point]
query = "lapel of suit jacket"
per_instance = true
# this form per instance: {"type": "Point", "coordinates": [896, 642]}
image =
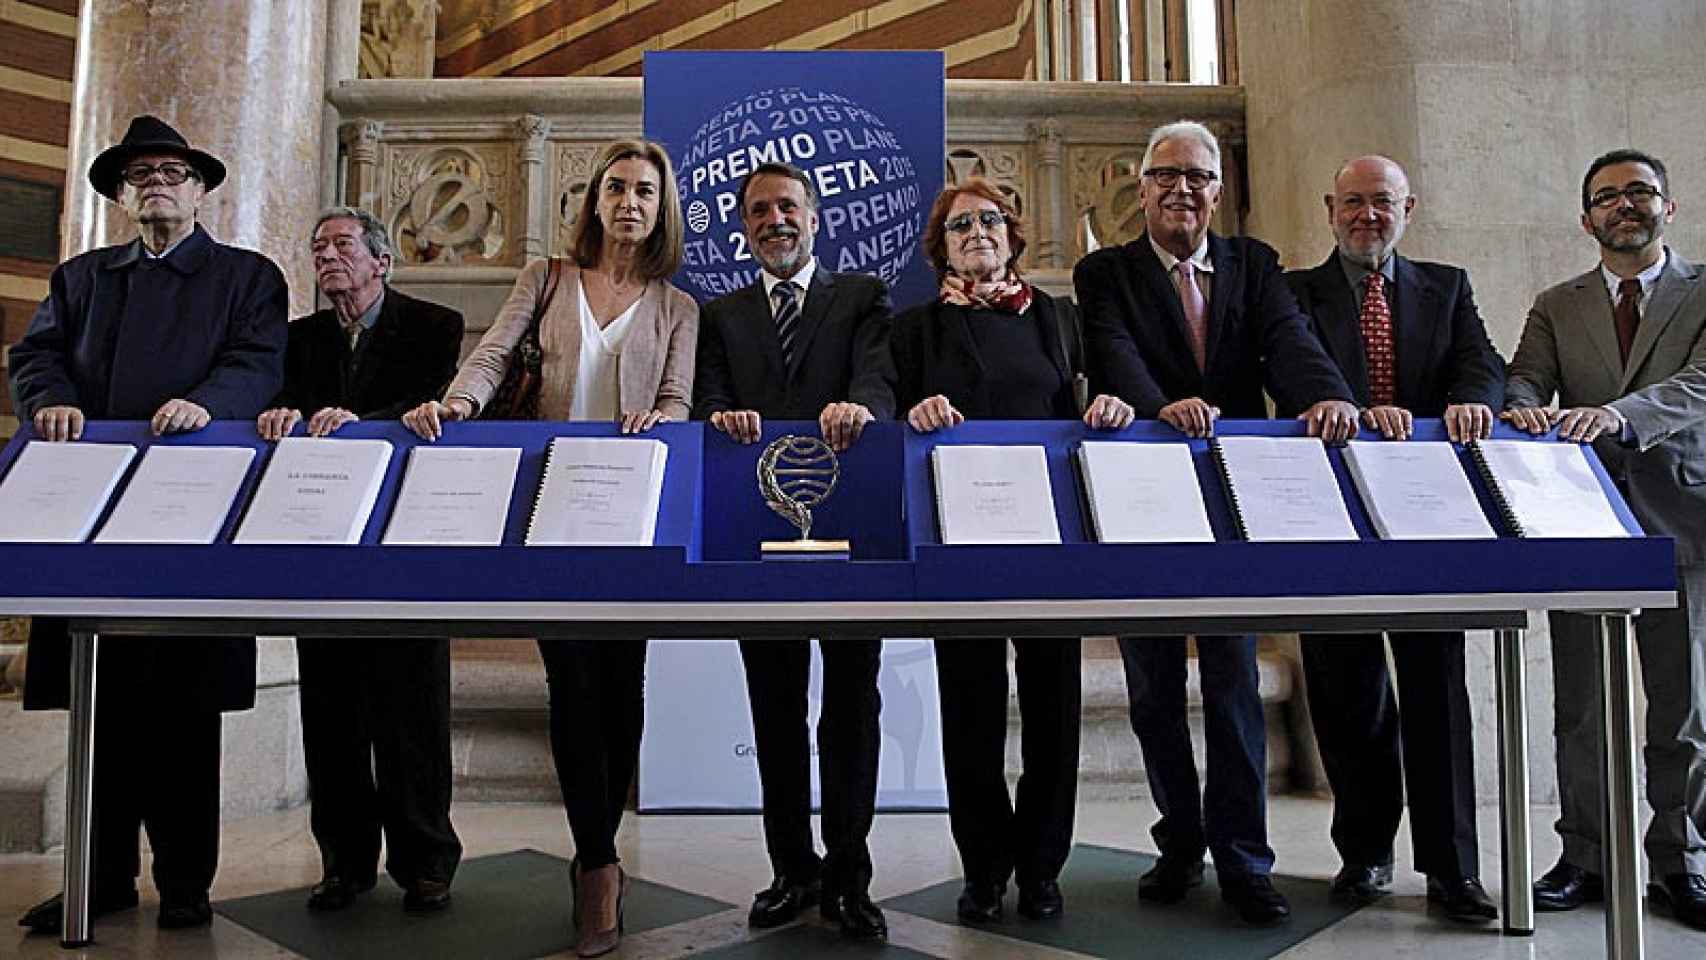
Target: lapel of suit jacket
{"type": "Point", "coordinates": [1161, 291]}
{"type": "Point", "coordinates": [1592, 310]}
{"type": "Point", "coordinates": [386, 326]}
{"type": "Point", "coordinates": [1673, 287]}
{"type": "Point", "coordinates": [755, 315]}
{"type": "Point", "coordinates": [1044, 315]}
{"type": "Point", "coordinates": [819, 296]}
{"type": "Point", "coordinates": [1335, 306]}
{"type": "Point", "coordinates": [1228, 286]}
{"type": "Point", "coordinates": [1416, 319]}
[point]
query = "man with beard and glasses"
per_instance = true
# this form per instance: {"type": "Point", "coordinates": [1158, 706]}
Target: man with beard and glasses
{"type": "Point", "coordinates": [1407, 337]}
{"type": "Point", "coordinates": [1184, 325]}
{"type": "Point", "coordinates": [1623, 347]}
{"type": "Point", "coordinates": [802, 343]}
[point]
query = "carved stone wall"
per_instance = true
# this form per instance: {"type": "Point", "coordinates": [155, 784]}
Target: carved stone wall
{"type": "Point", "coordinates": [477, 176]}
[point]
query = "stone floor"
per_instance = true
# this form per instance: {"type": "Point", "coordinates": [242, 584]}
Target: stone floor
{"type": "Point", "coordinates": [723, 857]}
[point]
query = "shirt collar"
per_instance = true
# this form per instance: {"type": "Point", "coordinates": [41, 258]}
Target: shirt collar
{"type": "Point", "coordinates": [186, 256]}
{"type": "Point", "coordinates": [1199, 259]}
{"type": "Point", "coordinates": [370, 316]}
{"type": "Point", "coordinates": [1356, 271]}
{"type": "Point", "coordinates": [802, 279]}
{"type": "Point", "coordinates": [1648, 277]}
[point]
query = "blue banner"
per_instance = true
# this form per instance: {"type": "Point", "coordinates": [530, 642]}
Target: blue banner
{"type": "Point", "coordinates": [867, 126]}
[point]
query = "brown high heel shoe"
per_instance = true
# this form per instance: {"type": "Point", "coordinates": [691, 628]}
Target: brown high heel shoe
{"type": "Point", "coordinates": [597, 943]}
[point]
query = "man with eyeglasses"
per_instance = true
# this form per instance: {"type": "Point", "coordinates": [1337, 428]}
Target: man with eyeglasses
{"type": "Point", "coordinates": [176, 329]}
{"type": "Point", "coordinates": [1409, 340]}
{"type": "Point", "coordinates": [802, 343]}
{"type": "Point", "coordinates": [1186, 325]}
{"type": "Point", "coordinates": [1623, 347]}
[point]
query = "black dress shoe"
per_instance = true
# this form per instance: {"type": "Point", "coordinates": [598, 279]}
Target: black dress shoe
{"type": "Point", "coordinates": [48, 916]}
{"type": "Point", "coordinates": [1170, 878]}
{"type": "Point", "coordinates": [1041, 900]}
{"type": "Point", "coordinates": [1462, 899]}
{"type": "Point", "coordinates": [782, 901]}
{"type": "Point", "coordinates": [860, 918]}
{"type": "Point", "coordinates": [336, 893]}
{"type": "Point", "coordinates": [425, 895]}
{"type": "Point", "coordinates": [182, 914]}
{"type": "Point", "coordinates": [1566, 887]}
{"type": "Point", "coordinates": [1358, 885]}
{"type": "Point", "coordinates": [980, 902]}
{"type": "Point", "coordinates": [1255, 899]}
{"type": "Point", "coordinates": [1686, 895]}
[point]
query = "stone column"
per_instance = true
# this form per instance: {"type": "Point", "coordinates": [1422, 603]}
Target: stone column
{"type": "Point", "coordinates": [536, 189]}
{"type": "Point", "coordinates": [1054, 209]}
{"type": "Point", "coordinates": [241, 79]}
{"type": "Point", "coordinates": [1495, 110]}
{"type": "Point", "coordinates": [361, 139]}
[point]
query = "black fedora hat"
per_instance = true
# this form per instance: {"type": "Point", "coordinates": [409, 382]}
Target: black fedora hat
{"type": "Point", "coordinates": [150, 135]}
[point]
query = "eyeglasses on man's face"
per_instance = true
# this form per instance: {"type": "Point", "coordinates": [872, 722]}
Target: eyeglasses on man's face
{"type": "Point", "coordinates": [989, 218]}
{"type": "Point", "coordinates": [1639, 194]}
{"type": "Point", "coordinates": [1168, 177]}
{"type": "Point", "coordinates": [171, 173]}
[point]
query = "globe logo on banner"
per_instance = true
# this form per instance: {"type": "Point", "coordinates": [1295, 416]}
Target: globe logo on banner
{"type": "Point", "coordinates": [872, 201]}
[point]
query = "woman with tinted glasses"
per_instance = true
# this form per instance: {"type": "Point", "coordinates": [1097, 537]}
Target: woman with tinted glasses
{"type": "Point", "coordinates": [992, 346]}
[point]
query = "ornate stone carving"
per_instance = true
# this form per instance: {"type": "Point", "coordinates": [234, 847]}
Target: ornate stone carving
{"type": "Point", "coordinates": [574, 173]}
{"type": "Point", "coordinates": [362, 139]}
{"type": "Point", "coordinates": [450, 204]}
{"type": "Point", "coordinates": [1002, 164]}
{"type": "Point", "coordinates": [1104, 182]}
{"type": "Point", "coordinates": [397, 38]}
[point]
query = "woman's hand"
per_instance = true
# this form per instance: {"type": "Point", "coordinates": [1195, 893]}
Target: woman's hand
{"type": "Point", "coordinates": [639, 421]}
{"type": "Point", "coordinates": [1108, 412]}
{"type": "Point", "coordinates": [934, 413]}
{"type": "Point", "coordinates": [428, 419]}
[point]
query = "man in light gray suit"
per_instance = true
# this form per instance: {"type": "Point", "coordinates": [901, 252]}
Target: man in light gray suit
{"type": "Point", "coordinates": [1622, 346]}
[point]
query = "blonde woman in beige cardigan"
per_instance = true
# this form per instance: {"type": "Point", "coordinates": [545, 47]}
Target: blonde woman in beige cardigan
{"type": "Point", "coordinates": [617, 342]}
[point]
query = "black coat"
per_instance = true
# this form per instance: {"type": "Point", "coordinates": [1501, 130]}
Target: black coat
{"type": "Point", "coordinates": [1139, 348]}
{"type": "Point", "coordinates": [841, 351]}
{"type": "Point", "coordinates": [1440, 347]}
{"type": "Point", "coordinates": [118, 336]}
{"type": "Point", "coordinates": [406, 359]}
{"type": "Point", "coordinates": [935, 353]}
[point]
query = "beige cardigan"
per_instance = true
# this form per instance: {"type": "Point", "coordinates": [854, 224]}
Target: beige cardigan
{"type": "Point", "coordinates": [655, 371]}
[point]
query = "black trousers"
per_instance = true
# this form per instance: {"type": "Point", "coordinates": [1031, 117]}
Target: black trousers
{"type": "Point", "coordinates": [1376, 752]}
{"type": "Point", "coordinates": [376, 742]}
{"type": "Point", "coordinates": [156, 766]}
{"type": "Point", "coordinates": [598, 709]}
{"type": "Point", "coordinates": [1034, 834]}
{"type": "Point", "coordinates": [849, 741]}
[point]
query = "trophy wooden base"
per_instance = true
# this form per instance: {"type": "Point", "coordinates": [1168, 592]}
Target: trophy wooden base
{"type": "Point", "coordinates": [806, 550]}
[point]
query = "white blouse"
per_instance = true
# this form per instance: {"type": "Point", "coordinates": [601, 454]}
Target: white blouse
{"type": "Point", "coordinates": [596, 389]}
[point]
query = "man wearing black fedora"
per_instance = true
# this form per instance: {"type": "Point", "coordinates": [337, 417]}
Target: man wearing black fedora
{"type": "Point", "coordinates": [177, 329]}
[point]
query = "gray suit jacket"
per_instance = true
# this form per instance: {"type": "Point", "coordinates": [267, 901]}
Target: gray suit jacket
{"type": "Point", "coordinates": [1569, 347]}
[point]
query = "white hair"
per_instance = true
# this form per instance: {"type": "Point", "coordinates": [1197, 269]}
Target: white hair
{"type": "Point", "coordinates": [1182, 130]}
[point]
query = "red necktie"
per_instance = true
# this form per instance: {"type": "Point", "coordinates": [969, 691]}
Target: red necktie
{"type": "Point", "coordinates": [1627, 315]}
{"type": "Point", "coordinates": [1377, 341]}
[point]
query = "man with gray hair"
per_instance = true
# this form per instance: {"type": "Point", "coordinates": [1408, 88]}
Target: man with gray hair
{"type": "Point", "coordinates": [1185, 325]}
{"type": "Point", "coordinates": [375, 711]}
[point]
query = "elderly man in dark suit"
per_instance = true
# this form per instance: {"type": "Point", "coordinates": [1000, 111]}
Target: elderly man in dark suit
{"type": "Point", "coordinates": [803, 343]}
{"type": "Point", "coordinates": [1623, 347]}
{"type": "Point", "coordinates": [178, 329]}
{"type": "Point", "coordinates": [375, 711]}
{"type": "Point", "coordinates": [1185, 325]}
{"type": "Point", "coordinates": [1410, 342]}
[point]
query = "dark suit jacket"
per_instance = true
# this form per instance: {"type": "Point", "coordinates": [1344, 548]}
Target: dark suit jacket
{"type": "Point", "coordinates": [1440, 345]}
{"type": "Point", "coordinates": [934, 353]}
{"type": "Point", "coordinates": [406, 359]}
{"type": "Point", "coordinates": [841, 351]}
{"type": "Point", "coordinates": [1139, 350]}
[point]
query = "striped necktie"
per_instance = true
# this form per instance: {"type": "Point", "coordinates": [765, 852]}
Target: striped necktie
{"type": "Point", "coordinates": [787, 299]}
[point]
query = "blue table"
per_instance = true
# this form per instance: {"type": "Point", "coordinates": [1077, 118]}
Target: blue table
{"type": "Point", "coordinates": [704, 576]}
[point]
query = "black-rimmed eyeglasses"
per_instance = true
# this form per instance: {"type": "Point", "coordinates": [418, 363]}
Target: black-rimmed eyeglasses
{"type": "Point", "coordinates": [1168, 177]}
{"type": "Point", "coordinates": [171, 173]}
{"type": "Point", "coordinates": [1639, 194]}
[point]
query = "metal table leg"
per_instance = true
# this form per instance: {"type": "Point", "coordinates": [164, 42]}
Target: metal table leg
{"type": "Point", "coordinates": [1623, 934]}
{"type": "Point", "coordinates": [1515, 835]}
{"type": "Point", "coordinates": [78, 925]}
